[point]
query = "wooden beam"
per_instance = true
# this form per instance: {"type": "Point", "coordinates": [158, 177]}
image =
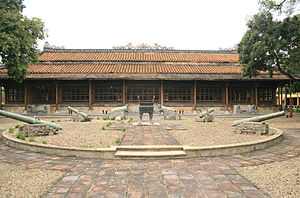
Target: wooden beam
{"type": "Point", "coordinates": [195, 94]}
{"type": "Point", "coordinates": [56, 96]}
{"type": "Point", "coordinates": [227, 96]}
{"type": "Point", "coordinates": [124, 99]}
{"type": "Point", "coordinates": [161, 92]}
{"type": "Point", "coordinates": [90, 95]}
{"type": "Point", "coordinates": [256, 96]}
{"type": "Point", "coordinates": [1, 97]}
{"type": "Point", "coordinates": [26, 95]}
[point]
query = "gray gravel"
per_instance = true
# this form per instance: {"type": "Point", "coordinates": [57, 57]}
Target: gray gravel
{"type": "Point", "coordinates": [18, 181]}
{"type": "Point", "coordinates": [278, 179]}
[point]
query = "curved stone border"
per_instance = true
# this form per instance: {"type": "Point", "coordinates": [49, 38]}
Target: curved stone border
{"type": "Point", "coordinates": [231, 149]}
{"type": "Point", "coordinates": [109, 153]}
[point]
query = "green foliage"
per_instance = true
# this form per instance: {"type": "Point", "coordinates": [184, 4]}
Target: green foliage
{"type": "Point", "coordinates": [31, 139]}
{"type": "Point", "coordinates": [130, 120]}
{"type": "Point", "coordinates": [21, 137]}
{"type": "Point", "coordinates": [271, 46]}
{"type": "Point", "coordinates": [98, 118]}
{"type": "Point", "coordinates": [44, 142]}
{"type": "Point", "coordinates": [103, 128]}
{"type": "Point", "coordinates": [117, 141]}
{"type": "Point", "coordinates": [104, 118]}
{"type": "Point", "coordinates": [58, 121]}
{"type": "Point", "coordinates": [11, 130]}
{"type": "Point", "coordinates": [113, 118]}
{"type": "Point", "coordinates": [280, 6]}
{"type": "Point", "coordinates": [123, 129]}
{"type": "Point", "coordinates": [87, 146]}
{"type": "Point", "coordinates": [18, 38]}
{"type": "Point", "coordinates": [108, 124]}
{"type": "Point", "coordinates": [17, 126]}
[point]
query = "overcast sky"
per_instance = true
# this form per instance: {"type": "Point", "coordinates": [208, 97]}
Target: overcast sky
{"type": "Point", "coordinates": [102, 24]}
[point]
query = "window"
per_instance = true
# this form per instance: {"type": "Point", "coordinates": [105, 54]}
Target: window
{"type": "Point", "coordinates": [146, 94]}
{"type": "Point", "coordinates": [108, 92]}
{"type": "Point", "coordinates": [75, 93]}
{"type": "Point", "coordinates": [240, 95]}
{"type": "Point", "coordinates": [44, 94]}
{"type": "Point", "coordinates": [209, 93]}
{"type": "Point", "coordinates": [176, 92]}
{"type": "Point", "coordinates": [15, 94]}
{"type": "Point", "coordinates": [265, 94]}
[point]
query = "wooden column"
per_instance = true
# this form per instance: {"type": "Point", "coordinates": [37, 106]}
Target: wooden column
{"type": "Point", "coordinates": [227, 96]}
{"type": "Point", "coordinates": [256, 95]}
{"type": "Point", "coordinates": [297, 98]}
{"type": "Point", "coordinates": [90, 95]}
{"type": "Point", "coordinates": [124, 93]}
{"type": "Point", "coordinates": [285, 98]}
{"type": "Point", "coordinates": [26, 95]}
{"type": "Point", "coordinates": [195, 94]}
{"type": "Point", "coordinates": [56, 96]}
{"type": "Point", "coordinates": [161, 92]}
{"type": "Point", "coordinates": [1, 97]}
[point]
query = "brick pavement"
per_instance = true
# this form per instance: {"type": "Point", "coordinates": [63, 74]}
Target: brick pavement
{"type": "Point", "coordinates": [201, 177]}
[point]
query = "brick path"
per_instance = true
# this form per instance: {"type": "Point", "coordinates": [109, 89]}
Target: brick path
{"type": "Point", "coordinates": [148, 135]}
{"type": "Point", "coordinates": [201, 177]}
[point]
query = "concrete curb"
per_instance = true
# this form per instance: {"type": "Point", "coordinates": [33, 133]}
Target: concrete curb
{"type": "Point", "coordinates": [109, 153]}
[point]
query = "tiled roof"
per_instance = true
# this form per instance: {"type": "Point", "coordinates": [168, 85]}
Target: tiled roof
{"type": "Point", "coordinates": [131, 68]}
{"type": "Point", "coordinates": [186, 56]}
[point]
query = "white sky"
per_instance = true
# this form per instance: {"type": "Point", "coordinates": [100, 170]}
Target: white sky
{"type": "Point", "coordinates": [102, 24]}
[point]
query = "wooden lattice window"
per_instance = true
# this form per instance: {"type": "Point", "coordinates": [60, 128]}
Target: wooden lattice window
{"type": "Point", "coordinates": [75, 93]}
{"type": "Point", "coordinates": [265, 94]}
{"type": "Point", "coordinates": [209, 93]}
{"type": "Point", "coordinates": [108, 92]}
{"type": "Point", "coordinates": [15, 94]}
{"type": "Point", "coordinates": [146, 94]}
{"type": "Point", "coordinates": [240, 95]}
{"type": "Point", "coordinates": [43, 94]}
{"type": "Point", "coordinates": [178, 92]}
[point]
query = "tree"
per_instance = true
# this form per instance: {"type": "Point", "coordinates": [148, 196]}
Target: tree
{"type": "Point", "coordinates": [271, 45]}
{"type": "Point", "coordinates": [18, 38]}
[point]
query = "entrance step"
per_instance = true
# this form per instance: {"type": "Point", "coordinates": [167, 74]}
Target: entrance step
{"type": "Point", "coordinates": [143, 152]}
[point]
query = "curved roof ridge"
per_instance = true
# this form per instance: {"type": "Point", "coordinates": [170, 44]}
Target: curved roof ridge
{"type": "Point", "coordinates": [49, 50]}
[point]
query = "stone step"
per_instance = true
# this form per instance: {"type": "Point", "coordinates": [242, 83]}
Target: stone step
{"type": "Point", "coordinates": [149, 148]}
{"type": "Point", "coordinates": [150, 154]}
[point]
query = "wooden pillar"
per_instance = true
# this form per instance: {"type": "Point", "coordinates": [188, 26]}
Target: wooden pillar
{"type": "Point", "coordinates": [297, 98]}
{"type": "Point", "coordinates": [195, 94]}
{"type": "Point", "coordinates": [256, 95]}
{"type": "Point", "coordinates": [1, 98]}
{"type": "Point", "coordinates": [285, 98]}
{"type": "Point", "coordinates": [56, 96]}
{"type": "Point", "coordinates": [227, 96]}
{"type": "Point", "coordinates": [90, 95]}
{"type": "Point", "coordinates": [26, 95]}
{"type": "Point", "coordinates": [161, 92]}
{"type": "Point", "coordinates": [124, 97]}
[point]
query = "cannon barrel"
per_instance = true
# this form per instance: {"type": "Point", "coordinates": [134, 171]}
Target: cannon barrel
{"type": "Point", "coordinates": [84, 115]}
{"type": "Point", "coordinates": [29, 119]}
{"type": "Point", "coordinates": [259, 118]}
{"type": "Point", "coordinates": [123, 108]}
{"type": "Point", "coordinates": [164, 108]}
{"type": "Point", "coordinates": [209, 111]}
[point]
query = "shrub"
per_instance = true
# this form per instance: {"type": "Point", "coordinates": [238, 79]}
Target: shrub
{"type": "Point", "coordinates": [17, 126]}
{"type": "Point", "coordinates": [103, 128]}
{"type": "Point", "coordinates": [52, 120]}
{"type": "Point", "coordinates": [104, 118]}
{"type": "Point", "coordinates": [31, 139]}
{"type": "Point", "coordinates": [123, 129]}
{"type": "Point", "coordinates": [58, 120]}
{"type": "Point", "coordinates": [21, 137]}
{"type": "Point", "coordinates": [108, 124]}
{"type": "Point", "coordinates": [11, 130]}
{"type": "Point", "coordinates": [44, 142]}
{"type": "Point", "coordinates": [130, 120]}
{"type": "Point", "coordinates": [113, 118]}
{"type": "Point", "coordinates": [117, 140]}
{"type": "Point", "coordinates": [98, 118]}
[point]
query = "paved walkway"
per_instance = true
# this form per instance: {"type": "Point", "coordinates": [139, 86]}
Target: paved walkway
{"type": "Point", "coordinates": [201, 177]}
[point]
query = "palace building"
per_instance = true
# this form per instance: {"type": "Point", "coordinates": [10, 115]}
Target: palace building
{"type": "Point", "coordinates": [97, 80]}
